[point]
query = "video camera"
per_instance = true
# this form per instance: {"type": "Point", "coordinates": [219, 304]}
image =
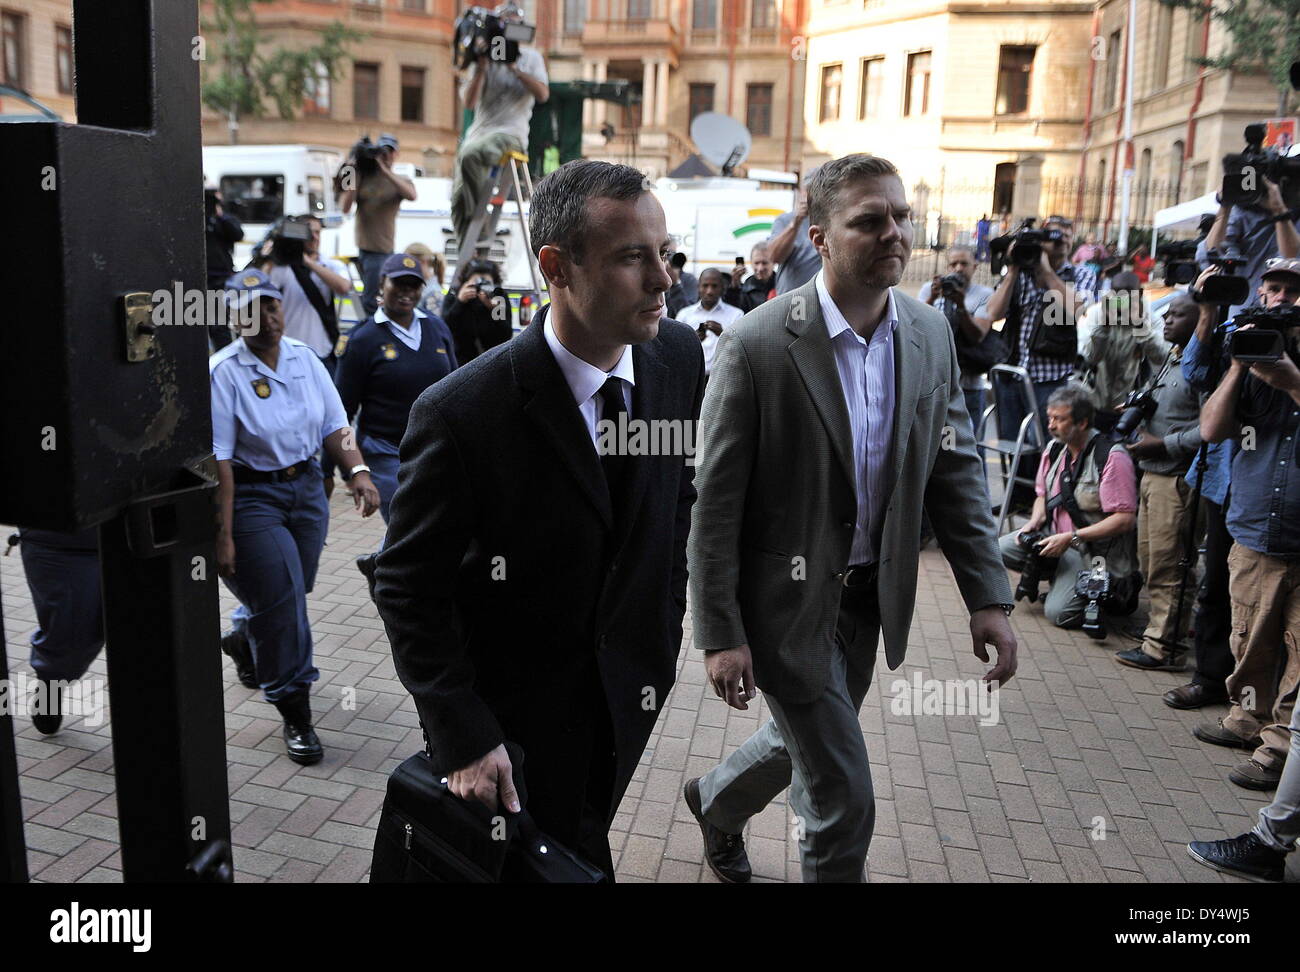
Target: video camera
{"type": "Point", "coordinates": [1244, 172]}
{"type": "Point", "coordinates": [1023, 248]}
{"type": "Point", "coordinates": [1225, 288]}
{"type": "Point", "coordinates": [953, 287]}
{"type": "Point", "coordinates": [480, 32]}
{"type": "Point", "coordinates": [1179, 258]}
{"type": "Point", "coordinates": [1036, 565]}
{"type": "Point", "coordinates": [1266, 341]}
{"type": "Point", "coordinates": [1093, 585]}
{"type": "Point", "coordinates": [366, 155]}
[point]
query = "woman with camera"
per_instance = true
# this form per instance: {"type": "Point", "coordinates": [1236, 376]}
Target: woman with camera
{"type": "Point", "coordinates": [273, 405]}
{"type": "Point", "coordinates": [477, 309]}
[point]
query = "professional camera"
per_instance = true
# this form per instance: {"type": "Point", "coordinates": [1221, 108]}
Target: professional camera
{"type": "Point", "coordinates": [1036, 565]}
{"type": "Point", "coordinates": [1023, 248]}
{"type": "Point", "coordinates": [1093, 586]}
{"type": "Point", "coordinates": [1180, 263]}
{"type": "Point", "coordinates": [289, 239]}
{"type": "Point", "coordinates": [1224, 288]}
{"type": "Point", "coordinates": [1137, 408]}
{"type": "Point", "coordinates": [480, 32]}
{"type": "Point", "coordinates": [366, 155]}
{"type": "Point", "coordinates": [1244, 172]}
{"type": "Point", "coordinates": [1266, 341]}
{"type": "Point", "coordinates": [953, 286]}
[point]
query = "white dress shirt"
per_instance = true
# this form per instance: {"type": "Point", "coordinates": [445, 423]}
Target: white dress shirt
{"type": "Point", "coordinates": [867, 380]}
{"type": "Point", "coordinates": [721, 312]}
{"type": "Point", "coordinates": [586, 380]}
{"type": "Point", "coordinates": [410, 336]}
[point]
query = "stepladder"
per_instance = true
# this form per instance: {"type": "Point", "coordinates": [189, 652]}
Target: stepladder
{"type": "Point", "coordinates": [507, 178]}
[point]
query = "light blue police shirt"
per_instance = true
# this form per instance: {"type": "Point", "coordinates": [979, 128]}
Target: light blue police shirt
{"type": "Point", "coordinates": [271, 419]}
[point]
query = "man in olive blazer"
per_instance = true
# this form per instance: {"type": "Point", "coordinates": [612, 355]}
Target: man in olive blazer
{"type": "Point", "coordinates": [805, 537]}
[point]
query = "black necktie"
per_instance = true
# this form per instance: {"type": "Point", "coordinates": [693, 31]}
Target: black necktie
{"type": "Point", "coordinates": [615, 461]}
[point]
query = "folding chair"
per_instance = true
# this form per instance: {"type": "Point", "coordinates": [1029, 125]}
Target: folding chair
{"type": "Point", "coordinates": [1028, 440]}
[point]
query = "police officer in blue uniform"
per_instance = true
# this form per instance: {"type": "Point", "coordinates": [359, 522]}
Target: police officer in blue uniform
{"type": "Point", "coordinates": [384, 365]}
{"type": "Point", "coordinates": [273, 404]}
{"type": "Point", "coordinates": [63, 576]}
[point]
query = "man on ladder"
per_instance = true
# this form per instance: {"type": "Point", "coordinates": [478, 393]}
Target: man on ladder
{"type": "Point", "coordinates": [501, 93]}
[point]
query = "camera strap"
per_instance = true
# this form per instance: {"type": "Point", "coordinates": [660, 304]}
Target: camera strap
{"type": "Point", "coordinates": [306, 280]}
{"type": "Point", "coordinates": [1069, 473]}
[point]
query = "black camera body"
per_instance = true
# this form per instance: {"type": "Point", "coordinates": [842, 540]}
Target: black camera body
{"type": "Point", "coordinates": [366, 156]}
{"type": "Point", "coordinates": [1266, 341]}
{"type": "Point", "coordinates": [1179, 258]}
{"type": "Point", "coordinates": [289, 241]}
{"type": "Point", "coordinates": [1023, 248]}
{"type": "Point", "coordinates": [1224, 288]}
{"type": "Point", "coordinates": [1036, 565]}
{"type": "Point", "coordinates": [1138, 408]}
{"type": "Point", "coordinates": [1244, 172]}
{"type": "Point", "coordinates": [1093, 585]}
{"type": "Point", "coordinates": [953, 286]}
{"type": "Point", "coordinates": [479, 32]}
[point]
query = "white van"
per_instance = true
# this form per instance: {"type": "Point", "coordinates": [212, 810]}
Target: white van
{"type": "Point", "coordinates": [717, 220]}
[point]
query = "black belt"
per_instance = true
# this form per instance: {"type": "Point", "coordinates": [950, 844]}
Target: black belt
{"type": "Point", "coordinates": [244, 475]}
{"type": "Point", "coordinates": [860, 577]}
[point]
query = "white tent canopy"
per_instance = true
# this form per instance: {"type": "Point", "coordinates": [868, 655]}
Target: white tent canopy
{"type": "Point", "coordinates": [1186, 214]}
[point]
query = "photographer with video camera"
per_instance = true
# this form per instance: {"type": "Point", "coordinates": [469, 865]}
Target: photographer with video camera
{"type": "Point", "coordinates": [1259, 209]}
{"type": "Point", "coordinates": [1160, 426]}
{"type": "Point", "coordinates": [1257, 403]}
{"type": "Point", "coordinates": [1038, 298]}
{"type": "Point", "coordinates": [503, 82]}
{"type": "Point", "coordinates": [1086, 508]}
{"type": "Point", "coordinates": [223, 231]}
{"type": "Point", "coordinates": [367, 180]}
{"type": "Point", "coordinates": [965, 304]}
{"type": "Point", "coordinates": [477, 309]}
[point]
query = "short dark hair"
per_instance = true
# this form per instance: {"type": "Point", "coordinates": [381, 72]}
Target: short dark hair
{"type": "Point", "coordinates": [824, 184]}
{"type": "Point", "coordinates": [1076, 400]}
{"type": "Point", "coordinates": [558, 211]}
{"type": "Point", "coordinates": [721, 277]}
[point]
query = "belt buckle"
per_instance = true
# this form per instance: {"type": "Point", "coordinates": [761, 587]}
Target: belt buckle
{"type": "Point", "coordinates": [850, 574]}
{"type": "Point", "coordinates": [291, 472]}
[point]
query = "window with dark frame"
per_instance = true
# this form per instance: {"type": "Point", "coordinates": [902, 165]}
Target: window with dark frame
{"type": "Point", "coordinates": [704, 15]}
{"type": "Point", "coordinates": [638, 9]}
{"type": "Point", "coordinates": [762, 14]}
{"type": "Point", "coordinates": [365, 91]}
{"type": "Point", "coordinates": [832, 82]}
{"type": "Point", "coordinates": [871, 87]}
{"type": "Point", "coordinates": [412, 94]}
{"type": "Point", "coordinates": [701, 99]}
{"type": "Point", "coordinates": [13, 49]}
{"type": "Point", "coordinates": [916, 96]}
{"type": "Point", "coordinates": [1015, 72]}
{"type": "Point", "coordinates": [63, 59]}
{"type": "Point", "coordinates": [758, 109]}
{"type": "Point", "coordinates": [1113, 56]}
{"type": "Point", "coordinates": [316, 94]}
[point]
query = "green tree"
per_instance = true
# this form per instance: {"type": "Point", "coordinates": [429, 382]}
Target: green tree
{"type": "Point", "coordinates": [252, 75]}
{"type": "Point", "coordinates": [1265, 37]}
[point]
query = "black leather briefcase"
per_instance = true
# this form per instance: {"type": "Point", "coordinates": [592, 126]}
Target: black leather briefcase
{"type": "Point", "coordinates": [427, 834]}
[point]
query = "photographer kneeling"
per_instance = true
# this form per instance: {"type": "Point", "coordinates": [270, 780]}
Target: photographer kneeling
{"type": "Point", "coordinates": [1086, 508]}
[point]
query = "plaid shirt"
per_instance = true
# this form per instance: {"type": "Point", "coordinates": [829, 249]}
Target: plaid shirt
{"type": "Point", "coordinates": [1085, 279]}
{"type": "Point", "coordinates": [1030, 299]}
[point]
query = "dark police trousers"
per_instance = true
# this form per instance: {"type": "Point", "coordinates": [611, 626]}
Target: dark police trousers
{"type": "Point", "coordinates": [279, 531]}
{"type": "Point", "coordinates": [63, 575]}
{"type": "Point", "coordinates": [818, 751]}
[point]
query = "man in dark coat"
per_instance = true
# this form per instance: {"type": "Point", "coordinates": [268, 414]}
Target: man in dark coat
{"type": "Point", "coordinates": [534, 579]}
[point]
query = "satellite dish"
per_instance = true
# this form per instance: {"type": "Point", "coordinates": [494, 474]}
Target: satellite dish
{"type": "Point", "coordinates": [721, 140]}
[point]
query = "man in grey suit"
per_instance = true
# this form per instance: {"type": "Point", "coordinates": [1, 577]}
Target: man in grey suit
{"type": "Point", "coordinates": [832, 413]}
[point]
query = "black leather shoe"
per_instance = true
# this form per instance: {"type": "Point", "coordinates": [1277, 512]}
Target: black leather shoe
{"type": "Point", "coordinates": [234, 644]}
{"type": "Point", "coordinates": [301, 742]}
{"type": "Point", "coordinates": [366, 564]}
{"type": "Point", "coordinates": [50, 697]}
{"type": "Point", "coordinates": [1246, 856]}
{"type": "Point", "coordinates": [1193, 696]}
{"type": "Point", "coordinates": [723, 852]}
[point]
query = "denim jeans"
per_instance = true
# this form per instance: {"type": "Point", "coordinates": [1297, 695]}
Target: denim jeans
{"type": "Point", "coordinates": [371, 264]}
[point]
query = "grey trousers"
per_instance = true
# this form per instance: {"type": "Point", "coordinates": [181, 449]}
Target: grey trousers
{"type": "Point", "coordinates": [817, 750]}
{"type": "Point", "coordinates": [1062, 606]}
{"type": "Point", "coordinates": [1279, 822]}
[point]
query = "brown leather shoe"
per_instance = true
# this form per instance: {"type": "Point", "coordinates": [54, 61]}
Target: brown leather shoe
{"type": "Point", "coordinates": [1193, 696]}
{"type": "Point", "coordinates": [1254, 775]}
{"type": "Point", "coordinates": [1217, 734]}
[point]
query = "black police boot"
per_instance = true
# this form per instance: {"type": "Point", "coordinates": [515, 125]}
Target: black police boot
{"type": "Point", "coordinates": [723, 852]}
{"type": "Point", "coordinates": [50, 696]}
{"type": "Point", "coordinates": [366, 564]}
{"type": "Point", "coordinates": [235, 645]}
{"type": "Point", "coordinates": [299, 737]}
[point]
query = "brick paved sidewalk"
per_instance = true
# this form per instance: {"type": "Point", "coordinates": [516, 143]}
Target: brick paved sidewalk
{"type": "Point", "coordinates": [1083, 747]}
